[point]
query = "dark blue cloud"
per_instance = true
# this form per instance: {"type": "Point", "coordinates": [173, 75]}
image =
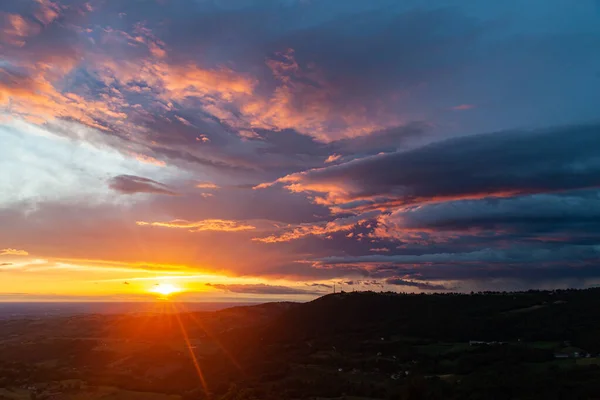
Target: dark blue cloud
{"type": "Point", "coordinates": [415, 284]}
{"type": "Point", "coordinates": [501, 164]}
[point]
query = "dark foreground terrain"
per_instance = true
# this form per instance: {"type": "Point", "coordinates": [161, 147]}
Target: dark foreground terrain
{"type": "Point", "coordinates": [527, 345]}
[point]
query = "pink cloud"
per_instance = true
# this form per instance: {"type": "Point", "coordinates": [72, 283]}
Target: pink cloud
{"type": "Point", "coordinates": [15, 29]}
{"type": "Point", "coordinates": [305, 101]}
{"type": "Point", "coordinates": [463, 107]}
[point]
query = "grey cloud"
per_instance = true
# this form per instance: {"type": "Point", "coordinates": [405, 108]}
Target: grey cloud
{"type": "Point", "coordinates": [235, 203]}
{"type": "Point", "coordinates": [520, 275]}
{"type": "Point", "coordinates": [497, 164]}
{"type": "Point", "coordinates": [560, 211]}
{"type": "Point", "coordinates": [564, 218]}
{"type": "Point", "coordinates": [366, 63]}
{"type": "Point", "coordinates": [370, 283]}
{"type": "Point", "coordinates": [485, 256]}
{"type": "Point", "coordinates": [530, 276]}
{"type": "Point", "coordinates": [130, 184]}
{"type": "Point", "coordinates": [292, 143]}
{"type": "Point", "coordinates": [384, 141]}
{"type": "Point", "coordinates": [262, 289]}
{"type": "Point", "coordinates": [320, 285]}
{"type": "Point", "coordinates": [416, 284]}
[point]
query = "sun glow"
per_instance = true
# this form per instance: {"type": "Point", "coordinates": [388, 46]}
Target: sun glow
{"type": "Point", "coordinates": [165, 289]}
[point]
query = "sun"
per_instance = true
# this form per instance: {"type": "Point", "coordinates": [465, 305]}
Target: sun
{"type": "Point", "coordinates": [165, 289]}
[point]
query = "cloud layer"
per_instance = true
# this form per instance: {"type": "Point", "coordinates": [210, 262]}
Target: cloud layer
{"type": "Point", "coordinates": [262, 289]}
{"type": "Point", "coordinates": [407, 146]}
{"type": "Point", "coordinates": [502, 164]}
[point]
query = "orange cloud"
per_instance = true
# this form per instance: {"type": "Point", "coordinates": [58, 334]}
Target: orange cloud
{"type": "Point", "coordinates": [329, 189]}
{"type": "Point", "coordinates": [34, 93]}
{"type": "Point", "coordinates": [13, 252]}
{"type": "Point", "coordinates": [203, 225]}
{"type": "Point", "coordinates": [302, 98]}
{"type": "Point", "coordinates": [176, 81]}
{"type": "Point", "coordinates": [190, 80]}
{"type": "Point", "coordinates": [207, 185]}
{"type": "Point", "coordinates": [320, 229]}
{"type": "Point", "coordinates": [335, 192]}
{"type": "Point", "coordinates": [31, 94]}
{"type": "Point", "coordinates": [148, 160]}
{"type": "Point", "coordinates": [156, 50]}
{"type": "Point", "coordinates": [332, 158]}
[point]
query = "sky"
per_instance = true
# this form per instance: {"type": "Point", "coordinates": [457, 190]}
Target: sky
{"type": "Point", "coordinates": [249, 150]}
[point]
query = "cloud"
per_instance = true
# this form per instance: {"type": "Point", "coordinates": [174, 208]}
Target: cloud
{"type": "Point", "coordinates": [379, 249]}
{"type": "Point", "coordinates": [517, 267]}
{"type": "Point", "coordinates": [473, 167]}
{"type": "Point", "coordinates": [320, 285]}
{"type": "Point", "coordinates": [541, 219]}
{"type": "Point", "coordinates": [332, 158]}
{"type": "Point", "coordinates": [313, 153]}
{"type": "Point", "coordinates": [318, 229]}
{"type": "Point", "coordinates": [325, 119]}
{"type": "Point", "coordinates": [463, 107]}
{"type": "Point", "coordinates": [207, 185]}
{"type": "Point", "coordinates": [489, 256]}
{"type": "Point", "coordinates": [130, 184]}
{"type": "Point", "coordinates": [505, 276]}
{"type": "Point", "coordinates": [262, 289]}
{"type": "Point", "coordinates": [464, 275]}
{"type": "Point", "coordinates": [567, 211]}
{"type": "Point", "coordinates": [310, 100]}
{"type": "Point", "coordinates": [5, 264]}
{"type": "Point", "coordinates": [383, 141]}
{"type": "Point", "coordinates": [149, 160]}
{"type": "Point", "coordinates": [415, 284]}
{"type": "Point", "coordinates": [137, 80]}
{"type": "Point", "coordinates": [201, 226]}
{"type": "Point", "coordinates": [14, 29]}
{"type": "Point", "coordinates": [13, 252]}
{"type": "Point", "coordinates": [370, 283]}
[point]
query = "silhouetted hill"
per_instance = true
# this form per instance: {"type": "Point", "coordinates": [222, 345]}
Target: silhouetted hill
{"type": "Point", "coordinates": [363, 344]}
{"type": "Point", "coordinates": [532, 315]}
